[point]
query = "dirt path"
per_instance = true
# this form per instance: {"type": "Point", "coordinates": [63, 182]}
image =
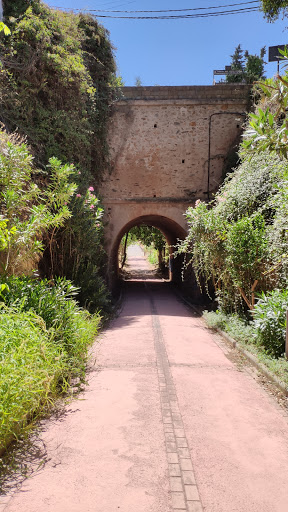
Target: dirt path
{"type": "Point", "coordinates": [167, 423]}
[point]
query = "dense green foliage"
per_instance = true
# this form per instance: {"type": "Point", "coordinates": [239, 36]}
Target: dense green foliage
{"type": "Point", "coordinates": [31, 366]}
{"type": "Point", "coordinates": [270, 321]}
{"type": "Point", "coordinates": [31, 203]}
{"type": "Point", "coordinates": [55, 303]}
{"type": "Point", "coordinates": [273, 8]}
{"type": "Point", "coordinates": [250, 67]}
{"type": "Point", "coordinates": [17, 7]}
{"type": "Point", "coordinates": [239, 242]}
{"type": "Point", "coordinates": [44, 338]}
{"type": "Point", "coordinates": [56, 87]}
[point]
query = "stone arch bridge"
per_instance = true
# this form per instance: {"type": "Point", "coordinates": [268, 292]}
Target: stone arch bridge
{"type": "Point", "coordinates": [169, 147]}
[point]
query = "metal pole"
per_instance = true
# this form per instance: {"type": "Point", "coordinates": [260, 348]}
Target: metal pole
{"type": "Point", "coordinates": [286, 344]}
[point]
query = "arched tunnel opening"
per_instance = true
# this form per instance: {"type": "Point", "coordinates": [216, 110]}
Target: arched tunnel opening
{"type": "Point", "coordinates": [171, 232]}
{"type": "Point", "coordinates": [144, 251]}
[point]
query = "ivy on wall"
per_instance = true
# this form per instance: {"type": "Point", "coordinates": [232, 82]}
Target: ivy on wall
{"type": "Point", "coordinates": [56, 83]}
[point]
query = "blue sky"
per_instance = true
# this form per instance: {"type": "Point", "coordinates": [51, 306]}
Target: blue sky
{"type": "Point", "coordinates": [181, 52]}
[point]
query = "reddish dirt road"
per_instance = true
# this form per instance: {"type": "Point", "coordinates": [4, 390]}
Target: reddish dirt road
{"type": "Point", "coordinates": [167, 423]}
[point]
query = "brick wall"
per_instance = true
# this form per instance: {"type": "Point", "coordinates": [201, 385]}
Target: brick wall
{"type": "Point", "coordinates": [160, 136]}
{"type": "Point", "coordinates": [168, 147]}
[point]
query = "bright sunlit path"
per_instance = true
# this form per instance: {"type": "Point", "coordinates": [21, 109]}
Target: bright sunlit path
{"type": "Point", "coordinates": [137, 266]}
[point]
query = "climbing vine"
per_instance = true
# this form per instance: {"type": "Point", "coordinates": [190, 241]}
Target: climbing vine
{"type": "Point", "coordinates": [57, 84]}
{"type": "Point", "coordinates": [57, 71]}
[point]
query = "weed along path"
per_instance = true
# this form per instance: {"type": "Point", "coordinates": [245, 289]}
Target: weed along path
{"type": "Point", "coordinates": [168, 422]}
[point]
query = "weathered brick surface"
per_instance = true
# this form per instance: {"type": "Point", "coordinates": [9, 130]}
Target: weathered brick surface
{"type": "Point", "coordinates": [159, 143]}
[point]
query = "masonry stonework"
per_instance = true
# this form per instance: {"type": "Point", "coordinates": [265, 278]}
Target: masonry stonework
{"type": "Point", "coordinates": [168, 148]}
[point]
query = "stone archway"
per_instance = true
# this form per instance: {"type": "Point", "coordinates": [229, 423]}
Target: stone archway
{"type": "Point", "coordinates": [168, 148]}
{"type": "Point", "coordinates": [170, 229]}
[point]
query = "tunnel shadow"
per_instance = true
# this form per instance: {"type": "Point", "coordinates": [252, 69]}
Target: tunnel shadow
{"type": "Point", "coordinates": [142, 291]}
{"type": "Point", "coordinates": [136, 303]}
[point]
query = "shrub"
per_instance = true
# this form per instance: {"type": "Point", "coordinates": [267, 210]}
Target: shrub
{"type": "Point", "coordinates": [70, 328]}
{"type": "Point", "coordinates": [76, 252]}
{"type": "Point", "coordinates": [30, 203]}
{"type": "Point", "coordinates": [238, 328]}
{"type": "Point", "coordinates": [270, 321]}
{"type": "Point", "coordinates": [238, 241]}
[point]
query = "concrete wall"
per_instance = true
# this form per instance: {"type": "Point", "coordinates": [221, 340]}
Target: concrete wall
{"type": "Point", "coordinates": [168, 146]}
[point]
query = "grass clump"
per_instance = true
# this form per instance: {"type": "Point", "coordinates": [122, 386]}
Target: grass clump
{"type": "Point", "coordinates": [238, 328]}
{"type": "Point", "coordinates": [31, 368]}
{"type": "Point", "coordinates": [44, 341]}
{"type": "Point", "coordinates": [71, 328]}
{"type": "Point", "coordinates": [248, 335]}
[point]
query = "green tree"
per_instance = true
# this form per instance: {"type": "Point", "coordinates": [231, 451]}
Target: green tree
{"type": "Point", "coordinates": [237, 64]}
{"type": "Point", "coordinates": [254, 67]}
{"type": "Point", "coordinates": [273, 8]}
{"type": "Point", "coordinates": [251, 67]}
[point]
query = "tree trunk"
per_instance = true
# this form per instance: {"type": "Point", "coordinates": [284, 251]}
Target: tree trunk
{"type": "Point", "coordinates": [125, 248]}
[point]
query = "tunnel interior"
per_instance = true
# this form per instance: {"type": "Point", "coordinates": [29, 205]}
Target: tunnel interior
{"type": "Point", "coordinates": [172, 232]}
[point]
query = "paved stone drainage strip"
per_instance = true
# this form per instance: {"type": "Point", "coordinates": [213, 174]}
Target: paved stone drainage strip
{"type": "Point", "coordinates": [184, 491]}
